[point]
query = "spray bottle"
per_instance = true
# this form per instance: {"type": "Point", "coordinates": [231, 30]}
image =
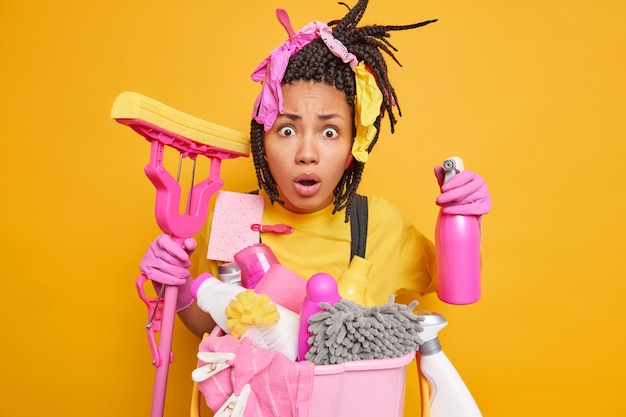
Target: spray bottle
{"type": "Point", "coordinates": [457, 241]}
{"type": "Point", "coordinates": [449, 396]}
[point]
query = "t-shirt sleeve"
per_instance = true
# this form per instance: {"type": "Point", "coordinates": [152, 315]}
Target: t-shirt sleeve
{"type": "Point", "coordinates": [417, 271]}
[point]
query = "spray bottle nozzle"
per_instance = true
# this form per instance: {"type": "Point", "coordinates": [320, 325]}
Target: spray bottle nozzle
{"type": "Point", "coordinates": [448, 165]}
{"type": "Point", "coordinates": [452, 166]}
{"type": "Point", "coordinates": [432, 324]}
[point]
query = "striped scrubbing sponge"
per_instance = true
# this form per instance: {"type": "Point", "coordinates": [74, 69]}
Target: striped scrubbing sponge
{"type": "Point", "coordinates": [132, 109]}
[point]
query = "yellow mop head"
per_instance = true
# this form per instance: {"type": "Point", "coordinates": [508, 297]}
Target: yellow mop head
{"type": "Point", "coordinates": [130, 106]}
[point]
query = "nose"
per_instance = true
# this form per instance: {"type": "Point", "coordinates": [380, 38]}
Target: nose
{"type": "Point", "coordinates": [307, 152]}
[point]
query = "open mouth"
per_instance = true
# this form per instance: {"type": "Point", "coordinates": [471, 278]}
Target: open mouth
{"type": "Point", "coordinates": [307, 183]}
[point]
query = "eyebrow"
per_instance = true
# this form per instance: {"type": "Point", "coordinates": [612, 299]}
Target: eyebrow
{"type": "Point", "coordinates": [294, 116]}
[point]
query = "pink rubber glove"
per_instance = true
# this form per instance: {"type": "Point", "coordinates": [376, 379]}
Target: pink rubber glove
{"type": "Point", "coordinates": [166, 262]}
{"type": "Point", "coordinates": [466, 193]}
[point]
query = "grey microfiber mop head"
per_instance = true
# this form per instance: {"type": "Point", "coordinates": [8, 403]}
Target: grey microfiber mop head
{"type": "Point", "coordinates": [347, 331]}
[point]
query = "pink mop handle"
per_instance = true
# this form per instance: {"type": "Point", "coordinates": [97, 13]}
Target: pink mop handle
{"type": "Point", "coordinates": [165, 350]}
{"type": "Point", "coordinates": [179, 226]}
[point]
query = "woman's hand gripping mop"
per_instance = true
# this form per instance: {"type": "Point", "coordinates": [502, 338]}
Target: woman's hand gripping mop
{"type": "Point", "coordinates": [164, 126]}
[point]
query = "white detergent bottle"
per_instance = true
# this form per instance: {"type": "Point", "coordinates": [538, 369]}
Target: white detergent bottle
{"type": "Point", "coordinates": [213, 296]}
{"type": "Point", "coordinates": [449, 396]}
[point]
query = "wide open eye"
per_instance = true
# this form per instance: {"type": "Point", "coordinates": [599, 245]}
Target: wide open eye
{"type": "Point", "coordinates": [286, 131]}
{"type": "Point", "coordinates": [330, 132]}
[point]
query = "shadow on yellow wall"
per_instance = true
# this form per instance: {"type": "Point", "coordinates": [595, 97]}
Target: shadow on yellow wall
{"type": "Point", "coordinates": [530, 94]}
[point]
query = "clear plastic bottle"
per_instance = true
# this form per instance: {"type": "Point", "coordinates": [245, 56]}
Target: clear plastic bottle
{"type": "Point", "coordinates": [457, 242]}
{"type": "Point", "coordinates": [352, 283]}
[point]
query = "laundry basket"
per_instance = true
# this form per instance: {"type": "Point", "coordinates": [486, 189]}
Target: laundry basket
{"type": "Point", "coordinates": [361, 388]}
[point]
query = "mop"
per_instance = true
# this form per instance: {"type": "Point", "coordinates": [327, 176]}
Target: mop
{"type": "Point", "coordinates": [164, 127]}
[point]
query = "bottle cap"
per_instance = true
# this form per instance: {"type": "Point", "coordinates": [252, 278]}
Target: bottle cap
{"type": "Point", "coordinates": [322, 287]}
{"type": "Point", "coordinates": [197, 283]}
{"type": "Point", "coordinates": [358, 270]}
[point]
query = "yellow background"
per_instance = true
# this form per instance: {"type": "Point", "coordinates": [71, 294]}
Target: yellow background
{"type": "Point", "coordinates": [530, 94]}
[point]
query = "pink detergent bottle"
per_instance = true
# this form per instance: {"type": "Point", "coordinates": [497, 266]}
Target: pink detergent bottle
{"type": "Point", "coordinates": [457, 241]}
{"type": "Point", "coordinates": [321, 287]}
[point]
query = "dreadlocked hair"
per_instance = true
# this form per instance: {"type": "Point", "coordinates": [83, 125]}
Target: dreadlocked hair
{"type": "Point", "coordinates": [316, 63]}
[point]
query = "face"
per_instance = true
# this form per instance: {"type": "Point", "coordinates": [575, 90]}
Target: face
{"type": "Point", "coordinates": [309, 145]}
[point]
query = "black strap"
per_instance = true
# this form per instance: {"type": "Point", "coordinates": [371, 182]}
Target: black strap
{"type": "Point", "coordinates": [358, 226]}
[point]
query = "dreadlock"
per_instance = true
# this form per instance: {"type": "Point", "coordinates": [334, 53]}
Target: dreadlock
{"type": "Point", "coordinates": [316, 63]}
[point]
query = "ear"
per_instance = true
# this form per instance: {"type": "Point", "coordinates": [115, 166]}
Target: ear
{"type": "Point", "coordinates": [349, 162]}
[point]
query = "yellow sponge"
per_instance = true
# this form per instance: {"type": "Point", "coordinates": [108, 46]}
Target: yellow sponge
{"type": "Point", "coordinates": [131, 105]}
